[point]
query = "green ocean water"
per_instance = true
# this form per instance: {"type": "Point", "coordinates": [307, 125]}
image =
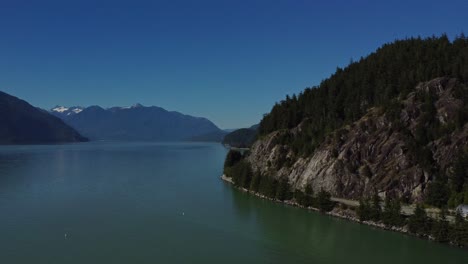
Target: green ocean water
{"type": "Point", "coordinates": [117, 202]}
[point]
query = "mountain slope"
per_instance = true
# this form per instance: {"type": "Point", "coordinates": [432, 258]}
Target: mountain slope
{"type": "Point", "coordinates": [393, 123]}
{"type": "Point", "coordinates": [241, 138]}
{"type": "Point", "coordinates": [25, 124]}
{"type": "Point", "coordinates": [138, 123]}
{"type": "Point", "coordinates": [388, 153]}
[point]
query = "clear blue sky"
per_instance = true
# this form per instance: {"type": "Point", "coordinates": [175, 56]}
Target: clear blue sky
{"type": "Point", "coordinates": [229, 61]}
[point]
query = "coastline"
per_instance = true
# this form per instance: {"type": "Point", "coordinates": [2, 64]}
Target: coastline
{"type": "Point", "coordinates": [346, 214]}
{"type": "Point", "coordinates": [336, 212]}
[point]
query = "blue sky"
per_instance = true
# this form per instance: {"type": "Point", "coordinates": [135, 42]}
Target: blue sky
{"type": "Point", "coordinates": [229, 61]}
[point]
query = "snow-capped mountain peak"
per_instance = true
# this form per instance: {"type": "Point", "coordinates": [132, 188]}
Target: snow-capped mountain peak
{"type": "Point", "coordinates": [66, 111]}
{"type": "Point", "coordinates": [60, 109]}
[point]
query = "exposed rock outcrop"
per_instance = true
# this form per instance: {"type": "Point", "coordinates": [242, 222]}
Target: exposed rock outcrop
{"type": "Point", "coordinates": [380, 152]}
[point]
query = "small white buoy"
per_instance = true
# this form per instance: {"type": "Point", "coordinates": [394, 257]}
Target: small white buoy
{"type": "Point", "coordinates": [66, 235]}
{"type": "Point", "coordinates": [183, 213]}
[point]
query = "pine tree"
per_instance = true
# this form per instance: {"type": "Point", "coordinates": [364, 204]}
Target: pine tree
{"type": "Point", "coordinates": [376, 209]}
{"type": "Point", "coordinates": [364, 210]}
{"type": "Point", "coordinates": [324, 202]}
{"type": "Point", "coordinates": [419, 223]}
{"type": "Point", "coordinates": [391, 215]}
{"type": "Point", "coordinates": [309, 196]}
{"type": "Point", "coordinates": [232, 158]}
{"type": "Point", "coordinates": [440, 229]}
{"type": "Point", "coordinates": [459, 232]}
{"type": "Point", "coordinates": [282, 192]}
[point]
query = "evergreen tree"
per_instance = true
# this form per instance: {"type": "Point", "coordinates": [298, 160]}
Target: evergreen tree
{"type": "Point", "coordinates": [241, 174]}
{"type": "Point", "coordinates": [376, 209]}
{"type": "Point", "coordinates": [441, 228]}
{"type": "Point", "coordinates": [460, 173]}
{"type": "Point", "coordinates": [299, 197]}
{"type": "Point", "coordinates": [419, 223]}
{"type": "Point", "coordinates": [309, 196]}
{"type": "Point", "coordinates": [438, 192]}
{"type": "Point", "coordinates": [282, 192]}
{"type": "Point", "coordinates": [268, 186]}
{"type": "Point", "coordinates": [391, 214]}
{"type": "Point", "coordinates": [232, 158]}
{"type": "Point", "coordinates": [255, 183]}
{"type": "Point", "coordinates": [324, 202]}
{"type": "Point", "coordinates": [459, 231]}
{"type": "Point", "coordinates": [364, 210]}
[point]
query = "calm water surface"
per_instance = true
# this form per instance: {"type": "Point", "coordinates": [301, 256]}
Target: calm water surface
{"type": "Point", "coordinates": [108, 202]}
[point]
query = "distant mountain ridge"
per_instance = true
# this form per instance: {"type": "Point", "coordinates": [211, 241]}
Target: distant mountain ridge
{"type": "Point", "coordinates": [241, 138]}
{"type": "Point", "coordinates": [23, 123]}
{"type": "Point", "coordinates": [136, 122]}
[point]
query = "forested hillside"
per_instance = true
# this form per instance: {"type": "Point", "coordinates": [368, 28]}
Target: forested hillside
{"type": "Point", "coordinates": [391, 71]}
{"type": "Point", "coordinates": [241, 138]}
{"type": "Point", "coordinates": [392, 123]}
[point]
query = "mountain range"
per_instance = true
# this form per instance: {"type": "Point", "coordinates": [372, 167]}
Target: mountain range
{"type": "Point", "coordinates": [137, 122]}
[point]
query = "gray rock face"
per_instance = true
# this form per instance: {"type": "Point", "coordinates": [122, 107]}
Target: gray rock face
{"type": "Point", "coordinates": [375, 153]}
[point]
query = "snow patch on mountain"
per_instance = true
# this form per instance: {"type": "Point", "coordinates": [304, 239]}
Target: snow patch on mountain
{"type": "Point", "coordinates": [60, 109]}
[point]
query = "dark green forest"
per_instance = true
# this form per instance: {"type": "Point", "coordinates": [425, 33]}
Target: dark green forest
{"type": "Point", "coordinates": [391, 71]}
{"type": "Point", "coordinates": [377, 80]}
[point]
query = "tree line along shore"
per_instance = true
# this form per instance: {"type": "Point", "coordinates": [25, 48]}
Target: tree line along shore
{"type": "Point", "coordinates": [437, 224]}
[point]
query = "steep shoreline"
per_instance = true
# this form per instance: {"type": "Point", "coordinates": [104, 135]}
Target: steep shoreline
{"type": "Point", "coordinates": [387, 152]}
{"type": "Point", "coordinates": [346, 214]}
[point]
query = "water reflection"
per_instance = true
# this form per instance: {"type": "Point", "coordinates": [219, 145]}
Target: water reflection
{"type": "Point", "coordinates": [317, 238]}
{"type": "Point", "coordinates": [118, 201]}
{"type": "Point", "coordinates": [10, 165]}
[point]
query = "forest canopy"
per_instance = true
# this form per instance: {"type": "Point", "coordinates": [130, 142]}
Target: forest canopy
{"type": "Point", "coordinates": [391, 71]}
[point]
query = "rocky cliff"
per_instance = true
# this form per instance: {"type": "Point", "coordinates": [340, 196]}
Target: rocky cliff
{"type": "Point", "coordinates": [395, 150]}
